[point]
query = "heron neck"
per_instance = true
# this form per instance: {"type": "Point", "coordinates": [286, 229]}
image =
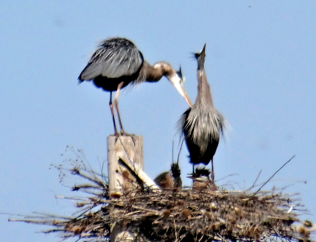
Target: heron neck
{"type": "Point", "coordinates": [204, 97]}
{"type": "Point", "coordinates": [156, 72]}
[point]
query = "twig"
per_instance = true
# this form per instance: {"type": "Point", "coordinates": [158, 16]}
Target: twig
{"type": "Point", "coordinates": [257, 178]}
{"type": "Point", "coordinates": [254, 184]}
{"type": "Point", "coordinates": [175, 231]}
{"type": "Point", "coordinates": [48, 222]}
{"type": "Point", "coordinates": [47, 215]}
{"type": "Point", "coordinates": [86, 186]}
{"type": "Point", "coordinates": [234, 174]}
{"type": "Point", "coordinates": [12, 214]}
{"type": "Point", "coordinates": [145, 209]}
{"type": "Point", "coordinates": [179, 150]}
{"type": "Point", "coordinates": [131, 213]}
{"type": "Point", "coordinates": [95, 180]}
{"type": "Point", "coordinates": [71, 198]}
{"type": "Point", "coordinates": [54, 230]}
{"type": "Point", "coordinates": [273, 175]}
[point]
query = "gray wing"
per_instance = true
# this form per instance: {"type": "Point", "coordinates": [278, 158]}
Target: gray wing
{"type": "Point", "coordinates": [116, 57]}
{"type": "Point", "coordinates": [222, 123]}
{"type": "Point", "coordinates": [183, 124]}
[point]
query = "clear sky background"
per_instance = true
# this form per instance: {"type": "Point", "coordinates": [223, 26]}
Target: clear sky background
{"type": "Point", "coordinates": [261, 65]}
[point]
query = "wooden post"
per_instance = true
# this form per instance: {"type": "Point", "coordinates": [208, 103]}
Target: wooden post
{"type": "Point", "coordinates": [126, 155]}
{"type": "Point", "coordinates": [126, 148]}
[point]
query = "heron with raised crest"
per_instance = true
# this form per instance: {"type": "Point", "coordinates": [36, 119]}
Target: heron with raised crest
{"type": "Point", "coordinates": [202, 124]}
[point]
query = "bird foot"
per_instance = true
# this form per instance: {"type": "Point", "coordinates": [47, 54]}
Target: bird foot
{"type": "Point", "coordinates": [126, 134]}
{"type": "Point", "coordinates": [117, 135]}
{"type": "Point", "coordinates": [123, 133]}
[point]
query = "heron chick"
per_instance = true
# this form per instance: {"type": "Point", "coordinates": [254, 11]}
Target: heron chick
{"type": "Point", "coordinates": [201, 180]}
{"type": "Point", "coordinates": [171, 179]}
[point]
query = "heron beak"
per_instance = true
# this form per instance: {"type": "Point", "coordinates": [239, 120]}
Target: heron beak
{"type": "Point", "coordinates": [184, 95]}
{"type": "Point", "coordinates": [177, 82]}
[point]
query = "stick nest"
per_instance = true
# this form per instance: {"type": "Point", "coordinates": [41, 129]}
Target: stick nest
{"type": "Point", "coordinates": [176, 215]}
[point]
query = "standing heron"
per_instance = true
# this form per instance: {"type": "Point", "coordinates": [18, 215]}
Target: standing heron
{"type": "Point", "coordinates": [202, 124]}
{"type": "Point", "coordinates": [118, 62]}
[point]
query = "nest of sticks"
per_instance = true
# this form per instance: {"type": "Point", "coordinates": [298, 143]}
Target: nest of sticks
{"type": "Point", "coordinates": [186, 215]}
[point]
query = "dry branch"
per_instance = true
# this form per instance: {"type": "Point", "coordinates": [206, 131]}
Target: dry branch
{"type": "Point", "coordinates": [177, 215]}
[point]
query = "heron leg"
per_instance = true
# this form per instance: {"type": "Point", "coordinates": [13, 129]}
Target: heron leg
{"type": "Point", "coordinates": [112, 112]}
{"type": "Point", "coordinates": [118, 112]}
{"type": "Point", "coordinates": [213, 175]}
{"type": "Point", "coordinates": [116, 105]}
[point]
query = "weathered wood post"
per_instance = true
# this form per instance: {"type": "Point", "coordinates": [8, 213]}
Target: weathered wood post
{"type": "Point", "coordinates": [125, 155]}
{"type": "Point", "coordinates": [128, 149]}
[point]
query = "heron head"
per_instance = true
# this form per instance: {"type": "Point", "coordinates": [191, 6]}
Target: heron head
{"type": "Point", "coordinates": [177, 80]}
{"type": "Point", "coordinates": [200, 56]}
{"type": "Point", "coordinates": [175, 170]}
{"type": "Point", "coordinates": [180, 75]}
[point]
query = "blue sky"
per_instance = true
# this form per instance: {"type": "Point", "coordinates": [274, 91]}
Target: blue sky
{"type": "Point", "coordinates": [261, 59]}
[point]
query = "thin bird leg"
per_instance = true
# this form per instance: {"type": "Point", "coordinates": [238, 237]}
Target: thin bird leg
{"type": "Point", "coordinates": [113, 118]}
{"type": "Point", "coordinates": [213, 175]}
{"type": "Point", "coordinates": [117, 109]}
{"type": "Point", "coordinates": [116, 105]}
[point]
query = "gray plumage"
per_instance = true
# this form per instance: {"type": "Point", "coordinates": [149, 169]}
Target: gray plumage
{"type": "Point", "coordinates": [202, 124]}
{"type": "Point", "coordinates": [118, 62]}
{"type": "Point", "coordinates": [115, 57]}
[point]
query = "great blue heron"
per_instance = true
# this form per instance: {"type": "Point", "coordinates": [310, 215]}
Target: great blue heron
{"type": "Point", "coordinates": [202, 124]}
{"type": "Point", "coordinates": [118, 62]}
